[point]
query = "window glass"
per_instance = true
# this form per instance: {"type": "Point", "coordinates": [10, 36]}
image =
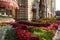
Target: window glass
{"type": "Point", "coordinates": [5, 13]}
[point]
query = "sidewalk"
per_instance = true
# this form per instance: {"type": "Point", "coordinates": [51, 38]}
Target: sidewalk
{"type": "Point", "coordinates": [57, 36]}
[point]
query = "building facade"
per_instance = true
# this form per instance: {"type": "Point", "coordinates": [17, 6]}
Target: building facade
{"type": "Point", "coordinates": [29, 9]}
{"type": "Point", "coordinates": [50, 8]}
{"type": "Point", "coordinates": [35, 9]}
{"type": "Point", "coordinates": [47, 8]}
{"type": "Point", "coordinates": [42, 9]}
{"type": "Point", "coordinates": [23, 10]}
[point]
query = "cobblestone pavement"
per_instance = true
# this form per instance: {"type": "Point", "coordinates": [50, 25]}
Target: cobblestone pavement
{"type": "Point", "coordinates": [57, 36]}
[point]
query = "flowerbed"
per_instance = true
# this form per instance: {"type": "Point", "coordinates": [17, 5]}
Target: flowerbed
{"type": "Point", "coordinates": [42, 33]}
{"type": "Point", "coordinates": [32, 30]}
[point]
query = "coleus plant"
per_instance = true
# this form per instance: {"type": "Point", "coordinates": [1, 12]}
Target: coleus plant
{"type": "Point", "coordinates": [41, 33]}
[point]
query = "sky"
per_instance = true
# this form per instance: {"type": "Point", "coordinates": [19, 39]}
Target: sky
{"type": "Point", "coordinates": [57, 5]}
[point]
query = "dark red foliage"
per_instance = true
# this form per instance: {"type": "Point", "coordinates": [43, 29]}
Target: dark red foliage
{"type": "Point", "coordinates": [58, 23]}
{"type": "Point", "coordinates": [23, 27]}
{"type": "Point", "coordinates": [46, 25]}
{"type": "Point", "coordinates": [25, 34]}
{"type": "Point", "coordinates": [34, 38]}
{"type": "Point", "coordinates": [56, 26]}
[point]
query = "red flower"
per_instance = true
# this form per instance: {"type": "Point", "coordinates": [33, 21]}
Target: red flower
{"type": "Point", "coordinates": [23, 34]}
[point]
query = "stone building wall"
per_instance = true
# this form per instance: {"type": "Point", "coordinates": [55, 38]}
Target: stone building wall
{"type": "Point", "coordinates": [23, 10]}
{"type": "Point", "coordinates": [50, 8]}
